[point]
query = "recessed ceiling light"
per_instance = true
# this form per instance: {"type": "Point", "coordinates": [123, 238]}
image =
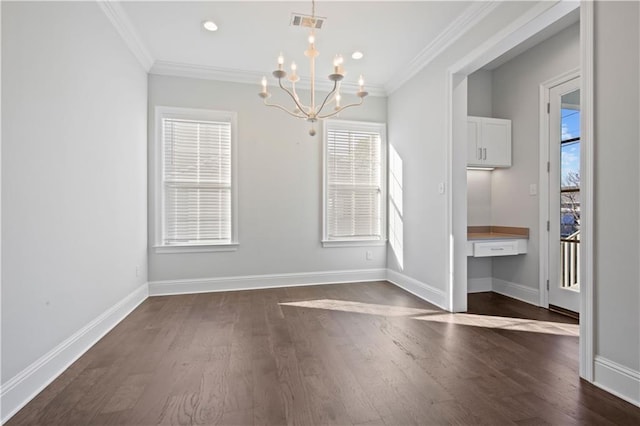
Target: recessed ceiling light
{"type": "Point", "coordinates": [210, 26]}
{"type": "Point", "coordinates": [357, 55]}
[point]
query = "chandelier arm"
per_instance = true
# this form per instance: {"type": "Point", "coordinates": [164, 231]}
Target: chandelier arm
{"type": "Point", "coordinates": [293, 90]}
{"type": "Point", "coordinates": [300, 107]}
{"type": "Point", "coordinates": [331, 114]}
{"type": "Point", "coordinates": [285, 110]}
{"type": "Point", "coordinates": [335, 86]}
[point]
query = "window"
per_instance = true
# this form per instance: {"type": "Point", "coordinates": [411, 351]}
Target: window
{"type": "Point", "coordinates": [354, 183]}
{"type": "Point", "coordinates": [195, 197]}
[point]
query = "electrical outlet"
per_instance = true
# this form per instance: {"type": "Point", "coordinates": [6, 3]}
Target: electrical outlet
{"type": "Point", "coordinates": [533, 189]}
{"type": "Point", "coordinates": [369, 255]}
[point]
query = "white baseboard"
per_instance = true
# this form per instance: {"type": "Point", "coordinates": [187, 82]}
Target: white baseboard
{"type": "Point", "coordinates": [24, 386]}
{"type": "Point", "coordinates": [516, 291]}
{"type": "Point", "coordinates": [418, 288]}
{"type": "Point", "coordinates": [479, 285]}
{"type": "Point", "coordinates": [254, 282]}
{"type": "Point", "coordinates": [617, 379]}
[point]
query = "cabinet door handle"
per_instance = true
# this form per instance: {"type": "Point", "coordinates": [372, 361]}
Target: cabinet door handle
{"type": "Point", "coordinates": [479, 153]}
{"type": "Point", "coordinates": [485, 153]}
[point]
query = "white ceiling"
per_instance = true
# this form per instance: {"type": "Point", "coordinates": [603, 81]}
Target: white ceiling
{"type": "Point", "coordinates": [251, 34]}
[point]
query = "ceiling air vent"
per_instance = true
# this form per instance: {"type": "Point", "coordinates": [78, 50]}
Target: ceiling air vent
{"type": "Point", "coordinates": [300, 20]}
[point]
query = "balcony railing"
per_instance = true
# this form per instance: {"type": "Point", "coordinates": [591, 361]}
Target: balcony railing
{"type": "Point", "coordinates": [570, 261]}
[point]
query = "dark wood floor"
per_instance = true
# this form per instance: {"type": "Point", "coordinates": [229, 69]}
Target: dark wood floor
{"type": "Point", "coordinates": [367, 354]}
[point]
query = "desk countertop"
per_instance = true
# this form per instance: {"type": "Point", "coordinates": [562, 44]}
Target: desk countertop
{"type": "Point", "coordinates": [496, 233]}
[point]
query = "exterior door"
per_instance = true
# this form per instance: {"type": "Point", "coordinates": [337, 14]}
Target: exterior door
{"type": "Point", "coordinates": [564, 193]}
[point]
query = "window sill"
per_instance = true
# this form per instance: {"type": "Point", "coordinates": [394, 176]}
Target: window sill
{"type": "Point", "coordinates": [195, 248]}
{"type": "Point", "coordinates": [354, 243]}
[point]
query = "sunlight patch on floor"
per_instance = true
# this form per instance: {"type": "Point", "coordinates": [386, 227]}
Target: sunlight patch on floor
{"type": "Point", "coordinates": [474, 320]}
{"type": "Point", "coordinates": [505, 323]}
{"type": "Point", "coordinates": [360, 308]}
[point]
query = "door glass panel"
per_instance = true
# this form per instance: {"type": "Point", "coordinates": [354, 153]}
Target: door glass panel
{"type": "Point", "coordinates": [570, 191]}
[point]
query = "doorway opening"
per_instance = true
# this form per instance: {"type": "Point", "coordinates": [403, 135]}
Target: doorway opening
{"type": "Point", "coordinates": [456, 179]}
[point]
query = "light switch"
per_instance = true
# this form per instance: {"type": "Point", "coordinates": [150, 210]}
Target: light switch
{"type": "Point", "coordinates": [441, 188]}
{"type": "Point", "coordinates": [533, 189]}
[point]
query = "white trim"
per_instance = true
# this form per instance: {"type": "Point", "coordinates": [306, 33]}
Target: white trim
{"type": "Point", "coordinates": [543, 180]}
{"type": "Point", "coordinates": [479, 285]}
{"type": "Point", "coordinates": [419, 289]}
{"type": "Point", "coordinates": [192, 114]}
{"type": "Point", "coordinates": [452, 260]}
{"type": "Point", "coordinates": [617, 379]}
{"type": "Point", "coordinates": [120, 21]}
{"type": "Point", "coordinates": [255, 282]}
{"type": "Point", "coordinates": [516, 291]}
{"type": "Point", "coordinates": [203, 248]}
{"type": "Point", "coordinates": [473, 14]}
{"type": "Point", "coordinates": [24, 386]}
{"type": "Point", "coordinates": [1, 387]}
{"type": "Point", "coordinates": [587, 317]}
{"type": "Point", "coordinates": [354, 243]}
{"type": "Point", "coordinates": [456, 181]}
{"type": "Point", "coordinates": [205, 72]}
{"type": "Point", "coordinates": [2, 420]}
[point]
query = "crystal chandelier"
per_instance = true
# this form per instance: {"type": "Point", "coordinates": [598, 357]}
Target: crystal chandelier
{"type": "Point", "coordinates": [312, 112]}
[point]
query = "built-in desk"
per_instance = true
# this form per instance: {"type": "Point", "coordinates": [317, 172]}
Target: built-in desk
{"type": "Point", "coordinates": [487, 241]}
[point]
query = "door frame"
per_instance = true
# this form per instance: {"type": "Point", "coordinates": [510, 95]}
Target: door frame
{"type": "Point", "coordinates": [539, 17]}
{"type": "Point", "coordinates": [544, 178]}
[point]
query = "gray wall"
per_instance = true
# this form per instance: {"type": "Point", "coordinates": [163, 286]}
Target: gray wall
{"type": "Point", "coordinates": [516, 97]}
{"type": "Point", "coordinates": [479, 198]}
{"type": "Point", "coordinates": [617, 181]}
{"type": "Point", "coordinates": [280, 187]}
{"type": "Point", "coordinates": [480, 93]}
{"type": "Point", "coordinates": [73, 174]}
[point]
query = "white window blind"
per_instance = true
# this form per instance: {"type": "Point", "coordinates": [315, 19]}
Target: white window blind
{"type": "Point", "coordinates": [197, 184]}
{"type": "Point", "coordinates": [354, 181]}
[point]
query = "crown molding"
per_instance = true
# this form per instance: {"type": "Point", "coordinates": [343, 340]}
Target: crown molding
{"type": "Point", "coordinates": [204, 72]}
{"type": "Point", "coordinates": [118, 18]}
{"type": "Point", "coordinates": [463, 23]}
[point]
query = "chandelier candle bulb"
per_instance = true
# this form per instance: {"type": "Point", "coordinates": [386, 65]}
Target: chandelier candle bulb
{"type": "Point", "coordinates": [280, 62]}
{"type": "Point", "coordinates": [337, 61]}
{"type": "Point", "coordinates": [293, 78]}
{"type": "Point", "coordinates": [264, 84]}
{"type": "Point", "coordinates": [361, 83]}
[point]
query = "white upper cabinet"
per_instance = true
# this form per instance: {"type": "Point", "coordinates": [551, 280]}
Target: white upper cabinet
{"type": "Point", "coordinates": [488, 142]}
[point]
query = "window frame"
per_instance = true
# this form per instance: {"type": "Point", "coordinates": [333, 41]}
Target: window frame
{"type": "Point", "coordinates": [366, 126]}
{"type": "Point", "coordinates": [193, 114]}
